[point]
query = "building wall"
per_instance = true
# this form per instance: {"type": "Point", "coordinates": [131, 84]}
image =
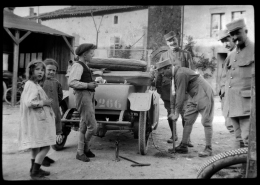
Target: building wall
{"type": "Point", "coordinates": [199, 26]}
{"type": "Point", "coordinates": [130, 28]}
{"type": "Point", "coordinates": [197, 23]}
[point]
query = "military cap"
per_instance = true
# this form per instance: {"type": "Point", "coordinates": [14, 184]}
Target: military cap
{"type": "Point", "coordinates": [169, 35]}
{"type": "Point", "coordinates": [163, 63]}
{"type": "Point", "coordinates": [236, 24]}
{"type": "Point", "coordinates": [223, 34]}
{"type": "Point", "coordinates": [84, 47]}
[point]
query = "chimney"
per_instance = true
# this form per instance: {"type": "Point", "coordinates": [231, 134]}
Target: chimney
{"type": "Point", "coordinates": [31, 13]}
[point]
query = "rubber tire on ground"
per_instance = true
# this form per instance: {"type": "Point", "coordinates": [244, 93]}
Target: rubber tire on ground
{"type": "Point", "coordinates": [8, 99]}
{"type": "Point", "coordinates": [143, 140]}
{"type": "Point", "coordinates": [4, 90]}
{"type": "Point", "coordinates": [221, 161]}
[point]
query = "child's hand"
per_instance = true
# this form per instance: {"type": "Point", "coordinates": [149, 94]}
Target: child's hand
{"type": "Point", "coordinates": [92, 85]}
{"type": "Point", "coordinates": [47, 102]}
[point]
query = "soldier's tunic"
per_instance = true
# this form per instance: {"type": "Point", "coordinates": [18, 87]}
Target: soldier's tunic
{"type": "Point", "coordinates": [238, 88]}
{"type": "Point", "coordinates": [201, 101]}
{"type": "Point", "coordinates": [228, 124]}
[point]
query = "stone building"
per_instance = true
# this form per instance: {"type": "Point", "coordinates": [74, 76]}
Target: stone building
{"type": "Point", "coordinates": [141, 27]}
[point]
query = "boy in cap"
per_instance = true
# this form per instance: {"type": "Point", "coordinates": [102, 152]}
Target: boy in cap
{"type": "Point", "coordinates": [201, 101]}
{"type": "Point", "coordinates": [240, 63]}
{"type": "Point", "coordinates": [177, 57]}
{"type": "Point", "coordinates": [227, 42]}
{"type": "Point", "coordinates": [81, 81]}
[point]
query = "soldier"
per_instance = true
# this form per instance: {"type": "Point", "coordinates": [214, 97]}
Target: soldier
{"type": "Point", "coordinates": [80, 79]}
{"type": "Point", "coordinates": [178, 57]}
{"type": "Point", "coordinates": [238, 80]}
{"type": "Point", "coordinates": [226, 40]}
{"type": "Point", "coordinates": [201, 101]}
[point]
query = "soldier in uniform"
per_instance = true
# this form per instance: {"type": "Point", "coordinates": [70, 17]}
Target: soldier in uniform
{"type": "Point", "coordinates": [226, 40]}
{"type": "Point", "coordinates": [177, 57]}
{"type": "Point", "coordinates": [238, 80]}
{"type": "Point", "coordinates": [201, 101]}
{"type": "Point", "coordinates": [80, 79]}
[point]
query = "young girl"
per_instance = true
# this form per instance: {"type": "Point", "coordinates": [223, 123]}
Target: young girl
{"type": "Point", "coordinates": [37, 126]}
{"type": "Point", "coordinates": [53, 89]}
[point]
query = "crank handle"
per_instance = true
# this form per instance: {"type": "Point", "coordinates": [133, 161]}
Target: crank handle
{"type": "Point", "coordinates": [134, 165]}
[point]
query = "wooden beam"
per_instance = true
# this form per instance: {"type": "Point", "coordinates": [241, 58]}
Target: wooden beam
{"type": "Point", "coordinates": [251, 168]}
{"type": "Point", "coordinates": [23, 37]}
{"type": "Point", "coordinates": [15, 68]}
{"type": "Point", "coordinates": [11, 35]}
{"type": "Point", "coordinates": [68, 44]}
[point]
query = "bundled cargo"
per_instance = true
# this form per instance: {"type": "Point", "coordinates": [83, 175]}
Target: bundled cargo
{"type": "Point", "coordinates": [118, 64]}
{"type": "Point", "coordinates": [131, 77]}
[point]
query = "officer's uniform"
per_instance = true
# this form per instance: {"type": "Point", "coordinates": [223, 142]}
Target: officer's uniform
{"type": "Point", "coordinates": [238, 85]}
{"type": "Point", "coordinates": [222, 35]}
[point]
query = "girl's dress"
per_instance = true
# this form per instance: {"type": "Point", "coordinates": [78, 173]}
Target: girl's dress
{"type": "Point", "coordinates": [37, 126]}
{"type": "Point", "coordinates": [53, 89]}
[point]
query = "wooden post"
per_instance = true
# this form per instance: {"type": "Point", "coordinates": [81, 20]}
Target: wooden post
{"type": "Point", "coordinates": [15, 68]}
{"type": "Point", "coordinates": [251, 168]}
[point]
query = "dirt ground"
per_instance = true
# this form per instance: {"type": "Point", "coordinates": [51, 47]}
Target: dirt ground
{"type": "Point", "coordinates": [16, 164]}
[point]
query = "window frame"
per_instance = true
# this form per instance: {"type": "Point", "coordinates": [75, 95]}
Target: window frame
{"type": "Point", "coordinates": [232, 14]}
{"type": "Point", "coordinates": [220, 22]}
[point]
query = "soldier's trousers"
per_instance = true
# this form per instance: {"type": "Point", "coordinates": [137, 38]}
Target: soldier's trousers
{"type": "Point", "coordinates": [228, 124]}
{"type": "Point", "coordinates": [203, 103]}
{"type": "Point", "coordinates": [241, 127]}
{"type": "Point", "coordinates": [167, 107]}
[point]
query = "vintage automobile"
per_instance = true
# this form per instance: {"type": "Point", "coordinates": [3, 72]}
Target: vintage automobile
{"type": "Point", "coordinates": [124, 101]}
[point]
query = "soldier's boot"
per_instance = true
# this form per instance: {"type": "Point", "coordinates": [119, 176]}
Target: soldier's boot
{"type": "Point", "coordinates": [182, 148]}
{"type": "Point", "coordinates": [206, 152]}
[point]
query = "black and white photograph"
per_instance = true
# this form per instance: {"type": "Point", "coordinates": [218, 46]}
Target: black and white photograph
{"type": "Point", "coordinates": [128, 92]}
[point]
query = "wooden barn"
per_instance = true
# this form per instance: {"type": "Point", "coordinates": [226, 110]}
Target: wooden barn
{"type": "Point", "coordinates": [24, 40]}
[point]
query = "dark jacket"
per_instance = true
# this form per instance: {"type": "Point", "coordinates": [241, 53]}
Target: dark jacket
{"type": "Point", "coordinates": [163, 83]}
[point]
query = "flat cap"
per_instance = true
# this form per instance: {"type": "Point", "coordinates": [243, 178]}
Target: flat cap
{"type": "Point", "coordinates": [223, 34]}
{"type": "Point", "coordinates": [169, 35]}
{"type": "Point", "coordinates": [84, 47]}
{"type": "Point", "coordinates": [163, 63]}
{"type": "Point", "coordinates": [236, 24]}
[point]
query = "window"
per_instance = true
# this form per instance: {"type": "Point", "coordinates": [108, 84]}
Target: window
{"type": "Point", "coordinates": [115, 43]}
{"type": "Point", "coordinates": [217, 23]}
{"type": "Point", "coordinates": [115, 19]}
{"type": "Point", "coordinates": [238, 15]}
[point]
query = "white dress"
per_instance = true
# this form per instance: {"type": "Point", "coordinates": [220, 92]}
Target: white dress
{"type": "Point", "coordinates": [37, 126]}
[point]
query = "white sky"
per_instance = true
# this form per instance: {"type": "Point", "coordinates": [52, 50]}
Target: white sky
{"type": "Point", "coordinates": [24, 11]}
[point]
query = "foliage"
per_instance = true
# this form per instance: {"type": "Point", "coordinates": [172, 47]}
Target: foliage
{"type": "Point", "coordinates": [123, 53]}
{"type": "Point", "coordinates": [200, 61]}
{"type": "Point", "coordinates": [204, 63]}
{"type": "Point", "coordinates": [190, 45]}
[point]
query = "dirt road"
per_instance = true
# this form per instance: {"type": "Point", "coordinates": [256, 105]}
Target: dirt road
{"type": "Point", "coordinates": [16, 164]}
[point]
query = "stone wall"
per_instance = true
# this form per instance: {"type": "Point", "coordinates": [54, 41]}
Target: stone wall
{"type": "Point", "coordinates": [131, 27]}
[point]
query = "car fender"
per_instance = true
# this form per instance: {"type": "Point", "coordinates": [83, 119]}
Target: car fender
{"type": "Point", "coordinates": [140, 101]}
